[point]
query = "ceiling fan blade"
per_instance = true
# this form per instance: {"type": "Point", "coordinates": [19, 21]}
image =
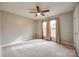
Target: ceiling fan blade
{"type": "Point", "coordinates": [45, 11]}
{"type": "Point", "coordinates": [32, 12]}
{"type": "Point", "coordinates": [39, 12]}
{"type": "Point", "coordinates": [36, 15]}
{"type": "Point", "coordinates": [42, 14]}
{"type": "Point", "coordinates": [38, 9]}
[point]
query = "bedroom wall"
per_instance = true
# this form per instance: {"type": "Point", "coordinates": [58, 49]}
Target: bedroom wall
{"type": "Point", "coordinates": [39, 29]}
{"type": "Point", "coordinates": [0, 33]}
{"type": "Point", "coordinates": [66, 23]}
{"type": "Point", "coordinates": [16, 28]}
{"type": "Point", "coordinates": [0, 27]}
{"type": "Point", "coordinates": [67, 27]}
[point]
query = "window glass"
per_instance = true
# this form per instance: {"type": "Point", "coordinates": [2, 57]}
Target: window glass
{"type": "Point", "coordinates": [53, 29]}
{"type": "Point", "coordinates": [44, 28]}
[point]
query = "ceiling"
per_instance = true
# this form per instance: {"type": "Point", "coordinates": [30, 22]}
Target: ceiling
{"type": "Point", "coordinates": [23, 8]}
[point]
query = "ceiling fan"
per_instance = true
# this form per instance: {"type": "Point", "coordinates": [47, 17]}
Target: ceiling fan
{"type": "Point", "coordinates": [39, 11]}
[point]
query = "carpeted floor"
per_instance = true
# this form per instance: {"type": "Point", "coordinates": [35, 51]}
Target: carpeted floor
{"type": "Point", "coordinates": [39, 48]}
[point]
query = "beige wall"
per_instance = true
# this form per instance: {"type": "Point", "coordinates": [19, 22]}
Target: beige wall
{"type": "Point", "coordinates": [67, 27]}
{"type": "Point", "coordinates": [16, 28]}
{"type": "Point", "coordinates": [0, 27]}
{"type": "Point", "coordinates": [0, 32]}
{"type": "Point", "coordinates": [39, 29]}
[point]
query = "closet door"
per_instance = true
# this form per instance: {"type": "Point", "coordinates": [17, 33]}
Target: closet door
{"type": "Point", "coordinates": [76, 28]}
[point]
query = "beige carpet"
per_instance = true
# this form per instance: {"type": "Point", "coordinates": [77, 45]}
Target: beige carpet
{"type": "Point", "coordinates": [38, 48]}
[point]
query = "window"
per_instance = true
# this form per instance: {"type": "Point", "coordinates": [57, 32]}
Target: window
{"type": "Point", "coordinates": [44, 29]}
{"type": "Point", "coordinates": [53, 29]}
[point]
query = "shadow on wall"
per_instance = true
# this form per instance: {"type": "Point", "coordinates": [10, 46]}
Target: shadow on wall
{"type": "Point", "coordinates": [18, 40]}
{"type": "Point", "coordinates": [15, 29]}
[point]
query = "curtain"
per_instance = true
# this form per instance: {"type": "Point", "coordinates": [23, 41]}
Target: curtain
{"type": "Point", "coordinates": [48, 30]}
{"type": "Point", "coordinates": [58, 36]}
{"type": "Point", "coordinates": [42, 30]}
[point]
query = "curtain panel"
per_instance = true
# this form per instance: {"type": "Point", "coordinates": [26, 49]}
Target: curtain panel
{"type": "Point", "coordinates": [48, 30]}
{"type": "Point", "coordinates": [58, 34]}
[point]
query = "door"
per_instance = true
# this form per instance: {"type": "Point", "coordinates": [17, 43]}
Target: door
{"type": "Point", "coordinates": [76, 28]}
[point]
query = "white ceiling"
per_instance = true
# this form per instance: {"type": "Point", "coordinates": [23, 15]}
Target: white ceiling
{"type": "Point", "coordinates": [23, 8]}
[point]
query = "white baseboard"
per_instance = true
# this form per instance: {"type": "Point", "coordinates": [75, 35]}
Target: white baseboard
{"type": "Point", "coordinates": [68, 43]}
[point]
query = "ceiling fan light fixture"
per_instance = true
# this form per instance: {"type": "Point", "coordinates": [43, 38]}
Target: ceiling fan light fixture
{"type": "Point", "coordinates": [39, 11]}
{"type": "Point", "coordinates": [38, 14]}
